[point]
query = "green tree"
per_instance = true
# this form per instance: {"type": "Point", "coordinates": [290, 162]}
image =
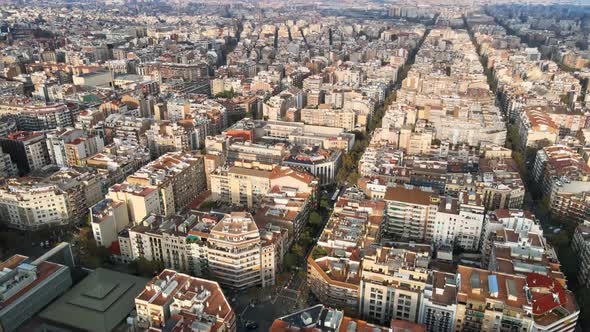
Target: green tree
{"type": "Point", "coordinates": [306, 239]}
{"type": "Point", "coordinates": [147, 268]}
{"type": "Point", "coordinates": [352, 178]}
{"type": "Point", "coordinates": [227, 94]}
{"type": "Point", "coordinates": [315, 220]}
{"type": "Point", "coordinates": [325, 204]}
{"type": "Point", "coordinates": [290, 261]}
{"type": "Point", "coordinates": [319, 252]}
{"type": "Point", "coordinates": [298, 250]}
{"type": "Point", "coordinates": [208, 206]}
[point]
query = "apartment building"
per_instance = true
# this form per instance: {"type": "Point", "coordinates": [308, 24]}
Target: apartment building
{"type": "Point", "coordinates": [71, 147]}
{"type": "Point", "coordinates": [286, 208]}
{"type": "Point", "coordinates": [411, 212]}
{"type": "Point", "coordinates": [581, 246]}
{"type": "Point", "coordinates": [168, 240]}
{"type": "Point", "coordinates": [237, 255]}
{"type": "Point", "coordinates": [247, 185]}
{"type": "Point", "coordinates": [335, 280]}
{"type": "Point", "coordinates": [556, 165]}
{"type": "Point", "coordinates": [491, 301]}
{"type": "Point", "coordinates": [107, 219]}
{"type": "Point", "coordinates": [46, 116]}
{"type": "Point", "coordinates": [536, 127]}
{"type": "Point", "coordinates": [276, 107]}
{"type": "Point", "coordinates": [522, 254]}
{"type": "Point", "coordinates": [183, 135]}
{"type": "Point", "coordinates": [354, 224]}
{"type": "Point", "coordinates": [180, 302]}
{"type": "Point", "coordinates": [500, 186]}
{"type": "Point", "coordinates": [324, 115]}
{"type": "Point", "coordinates": [515, 220]}
{"type": "Point", "coordinates": [28, 150]}
{"type": "Point", "coordinates": [140, 201]}
{"type": "Point", "coordinates": [391, 283]}
{"type": "Point", "coordinates": [126, 128]}
{"type": "Point", "coordinates": [178, 176]}
{"type": "Point", "coordinates": [239, 185]}
{"type": "Point", "coordinates": [324, 318]}
{"type": "Point", "coordinates": [438, 302]}
{"type": "Point", "coordinates": [7, 166]}
{"type": "Point", "coordinates": [571, 199]}
{"type": "Point", "coordinates": [83, 186]}
{"type": "Point", "coordinates": [29, 205]}
{"type": "Point", "coordinates": [26, 287]}
{"type": "Point", "coordinates": [118, 161]}
{"type": "Point", "coordinates": [459, 221]}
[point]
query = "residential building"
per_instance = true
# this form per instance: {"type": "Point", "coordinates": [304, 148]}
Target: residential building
{"type": "Point", "coordinates": [181, 302]}
{"type": "Point", "coordinates": [459, 221]}
{"type": "Point", "coordinates": [391, 283]}
{"type": "Point", "coordinates": [27, 150]}
{"type": "Point", "coordinates": [26, 287]}
{"type": "Point", "coordinates": [248, 185]}
{"type": "Point", "coordinates": [323, 318]}
{"type": "Point", "coordinates": [536, 128]}
{"type": "Point", "coordinates": [30, 205]}
{"type": "Point", "coordinates": [438, 302]}
{"type": "Point", "coordinates": [140, 201]}
{"type": "Point", "coordinates": [177, 176]}
{"type": "Point", "coordinates": [411, 211]}
{"type": "Point", "coordinates": [323, 164]}
{"type": "Point", "coordinates": [238, 256]}
{"type": "Point", "coordinates": [107, 219]}
{"type": "Point", "coordinates": [489, 301]}
{"type": "Point", "coordinates": [581, 246]}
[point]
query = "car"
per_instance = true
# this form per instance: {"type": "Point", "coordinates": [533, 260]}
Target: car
{"type": "Point", "coordinates": [251, 325]}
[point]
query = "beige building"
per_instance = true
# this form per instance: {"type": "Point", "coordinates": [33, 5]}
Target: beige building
{"type": "Point", "coordinates": [181, 302]}
{"type": "Point", "coordinates": [32, 205]}
{"type": "Point", "coordinates": [392, 280]}
{"type": "Point", "coordinates": [489, 301]}
{"type": "Point", "coordinates": [247, 185]}
{"type": "Point", "coordinates": [412, 212]}
{"type": "Point", "coordinates": [326, 116]}
{"type": "Point", "coordinates": [107, 219]}
{"type": "Point", "coordinates": [94, 79]}
{"type": "Point", "coordinates": [535, 127]}
{"type": "Point", "coordinates": [59, 198]}
{"type": "Point", "coordinates": [141, 201]}
{"type": "Point", "coordinates": [178, 176]}
{"type": "Point", "coordinates": [167, 240]}
{"type": "Point", "coordinates": [237, 255]}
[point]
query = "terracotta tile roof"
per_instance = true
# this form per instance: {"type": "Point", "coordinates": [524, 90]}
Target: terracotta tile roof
{"type": "Point", "coordinates": [404, 194]}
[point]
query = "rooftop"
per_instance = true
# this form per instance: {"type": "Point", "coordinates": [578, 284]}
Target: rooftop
{"type": "Point", "coordinates": [98, 303]}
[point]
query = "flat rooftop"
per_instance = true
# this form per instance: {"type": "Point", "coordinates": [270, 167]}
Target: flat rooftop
{"type": "Point", "coordinates": [98, 303]}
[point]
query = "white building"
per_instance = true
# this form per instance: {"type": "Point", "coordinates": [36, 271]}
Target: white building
{"type": "Point", "coordinates": [459, 221]}
{"type": "Point", "coordinates": [107, 219]}
{"type": "Point", "coordinates": [238, 257]}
